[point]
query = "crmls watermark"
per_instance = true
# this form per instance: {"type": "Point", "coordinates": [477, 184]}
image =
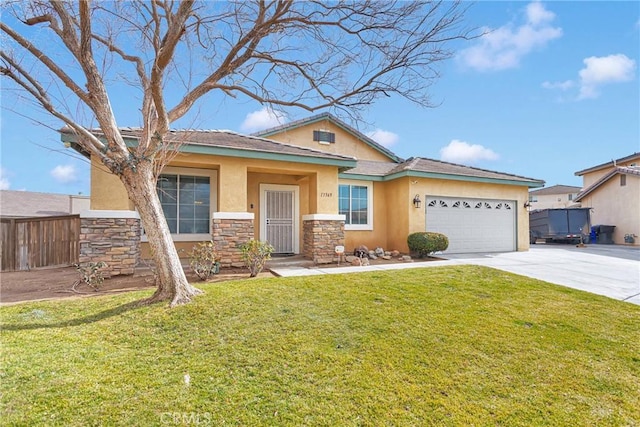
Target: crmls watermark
{"type": "Point", "coordinates": [186, 418]}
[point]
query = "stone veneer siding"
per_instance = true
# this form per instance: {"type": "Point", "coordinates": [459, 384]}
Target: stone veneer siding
{"type": "Point", "coordinates": [321, 236]}
{"type": "Point", "coordinates": [114, 240]}
{"type": "Point", "coordinates": [228, 235]}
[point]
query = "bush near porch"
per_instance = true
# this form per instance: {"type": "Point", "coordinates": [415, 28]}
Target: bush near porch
{"type": "Point", "coordinates": [425, 243]}
{"type": "Point", "coordinates": [453, 345]}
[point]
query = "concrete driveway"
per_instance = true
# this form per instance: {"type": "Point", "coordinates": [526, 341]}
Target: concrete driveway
{"type": "Point", "coordinates": [608, 270]}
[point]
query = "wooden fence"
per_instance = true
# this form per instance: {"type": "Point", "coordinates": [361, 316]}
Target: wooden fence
{"type": "Point", "coordinates": [28, 243]}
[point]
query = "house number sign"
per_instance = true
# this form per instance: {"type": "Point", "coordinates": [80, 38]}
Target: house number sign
{"type": "Point", "coordinates": [326, 194]}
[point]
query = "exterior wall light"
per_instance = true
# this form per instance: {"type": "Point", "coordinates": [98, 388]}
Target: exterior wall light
{"type": "Point", "coordinates": [416, 201]}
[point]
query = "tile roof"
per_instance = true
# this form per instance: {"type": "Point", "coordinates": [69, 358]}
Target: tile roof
{"type": "Point", "coordinates": [372, 168]}
{"type": "Point", "coordinates": [231, 140]}
{"type": "Point", "coordinates": [338, 122]}
{"type": "Point", "coordinates": [556, 189]}
{"type": "Point", "coordinates": [226, 139]}
{"type": "Point", "coordinates": [436, 166]}
{"type": "Point", "coordinates": [418, 165]}
{"type": "Point", "coordinates": [612, 163]}
{"type": "Point", "coordinates": [635, 171]}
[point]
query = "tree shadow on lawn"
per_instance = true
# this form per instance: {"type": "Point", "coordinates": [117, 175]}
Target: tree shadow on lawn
{"type": "Point", "coordinates": [96, 317]}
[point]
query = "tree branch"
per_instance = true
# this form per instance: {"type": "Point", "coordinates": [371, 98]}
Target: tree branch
{"type": "Point", "coordinates": [21, 77]}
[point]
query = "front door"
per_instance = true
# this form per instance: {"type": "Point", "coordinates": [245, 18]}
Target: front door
{"type": "Point", "coordinates": [279, 212]}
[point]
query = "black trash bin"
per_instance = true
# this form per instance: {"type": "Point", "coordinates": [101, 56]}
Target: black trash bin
{"type": "Point", "coordinates": [604, 234]}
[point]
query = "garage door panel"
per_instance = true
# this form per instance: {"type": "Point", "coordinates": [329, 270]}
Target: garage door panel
{"type": "Point", "coordinates": [473, 225]}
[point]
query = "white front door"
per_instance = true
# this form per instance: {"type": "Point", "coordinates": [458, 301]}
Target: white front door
{"type": "Point", "coordinates": [279, 213]}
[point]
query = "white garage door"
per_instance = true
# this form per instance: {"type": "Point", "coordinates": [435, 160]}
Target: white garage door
{"type": "Point", "coordinates": [473, 225]}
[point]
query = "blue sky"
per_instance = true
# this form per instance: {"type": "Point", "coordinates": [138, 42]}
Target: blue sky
{"type": "Point", "coordinates": [551, 88]}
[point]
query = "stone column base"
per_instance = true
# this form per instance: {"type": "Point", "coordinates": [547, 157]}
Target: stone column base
{"type": "Point", "coordinates": [112, 237]}
{"type": "Point", "coordinates": [230, 230]}
{"type": "Point", "coordinates": [322, 233]}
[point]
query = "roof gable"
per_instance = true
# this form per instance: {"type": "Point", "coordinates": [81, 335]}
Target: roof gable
{"type": "Point", "coordinates": [618, 170]}
{"type": "Point", "coordinates": [337, 122]}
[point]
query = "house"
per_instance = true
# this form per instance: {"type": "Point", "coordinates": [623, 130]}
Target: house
{"type": "Point", "coordinates": [316, 183]}
{"type": "Point", "coordinates": [28, 204]}
{"type": "Point", "coordinates": [612, 190]}
{"type": "Point", "coordinates": [554, 197]}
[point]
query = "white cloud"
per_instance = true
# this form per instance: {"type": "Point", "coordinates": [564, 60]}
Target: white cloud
{"type": "Point", "coordinates": [504, 47]}
{"type": "Point", "coordinates": [598, 71]}
{"type": "Point", "coordinates": [603, 70]}
{"type": "Point", "coordinates": [537, 14]}
{"type": "Point", "coordinates": [384, 137]}
{"type": "Point", "coordinates": [566, 85]}
{"type": "Point", "coordinates": [4, 180]}
{"type": "Point", "coordinates": [262, 119]}
{"type": "Point", "coordinates": [64, 174]}
{"type": "Point", "coordinates": [462, 152]}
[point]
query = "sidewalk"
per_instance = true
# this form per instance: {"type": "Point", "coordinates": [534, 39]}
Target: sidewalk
{"type": "Point", "coordinates": [612, 276]}
{"type": "Point", "coordinates": [296, 271]}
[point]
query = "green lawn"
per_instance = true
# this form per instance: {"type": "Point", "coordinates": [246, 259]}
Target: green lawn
{"type": "Point", "coordinates": [439, 346]}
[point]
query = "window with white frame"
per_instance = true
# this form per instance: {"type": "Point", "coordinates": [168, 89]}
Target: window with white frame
{"type": "Point", "coordinates": [187, 197]}
{"type": "Point", "coordinates": [355, 202]}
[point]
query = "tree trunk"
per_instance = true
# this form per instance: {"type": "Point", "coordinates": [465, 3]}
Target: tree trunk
{"type": "Point", "coordinates": [170, 278]}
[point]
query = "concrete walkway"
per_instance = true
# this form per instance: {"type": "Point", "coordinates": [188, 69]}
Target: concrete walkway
{"type": "Point", "coordinates": [616, 276]}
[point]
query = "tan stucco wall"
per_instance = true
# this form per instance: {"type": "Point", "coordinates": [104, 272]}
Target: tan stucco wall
{"type": "Point", "coordinates": [379, 236]}
{"type": "Point", "coordinates": [592, 177]}
{"type": "Point", "coordinates": [400, 218]}
{"type": "Point", "coordinates": [617, 205]}
{"type": "Point", "coordinates": [553, 201]}
{"type": "Point", "coordinates": [107, 191]}
{"type": "Point", "coordinates": [400, 213]}
{"type": "Point", "coordinates": [346, 144]}
{"type": "Point", "coordinates": [238, 187]}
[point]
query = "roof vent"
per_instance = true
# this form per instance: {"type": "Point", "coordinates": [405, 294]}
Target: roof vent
{"type": "Point", "coordinates": [324, 136]}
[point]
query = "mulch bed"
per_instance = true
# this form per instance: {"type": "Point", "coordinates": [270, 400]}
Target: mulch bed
{"type": "Point", "coordinates": [57, 283]}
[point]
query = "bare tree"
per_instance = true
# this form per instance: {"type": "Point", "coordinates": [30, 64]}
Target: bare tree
{"type": "Point", "coordinates": [308, 54]}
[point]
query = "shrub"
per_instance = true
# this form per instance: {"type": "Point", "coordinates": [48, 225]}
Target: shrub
{"type": "Point", "coordinates": [255, 255]}
{"type": "Point", "coordinates": [90, 274]}
{"type": "Point", "coordinates": [203, 260]}
{"type": "Point", "coordinates": [425, 243]}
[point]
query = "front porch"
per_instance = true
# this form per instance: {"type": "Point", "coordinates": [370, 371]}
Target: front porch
{"type": "Point", "coordinates": [293, 207]}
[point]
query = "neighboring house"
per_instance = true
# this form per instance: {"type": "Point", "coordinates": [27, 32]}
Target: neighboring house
{"type": "Point", "coordinates": [612, 190]}
{"type": "Point", "coordinates": [316, 183]}
{"type": "Point", "coordinates": [556, 196]}
{"type": "Point", "coordinates": [27, 204]}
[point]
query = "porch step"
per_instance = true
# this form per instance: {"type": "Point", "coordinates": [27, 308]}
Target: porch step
{"type": "Point", "coordinates": [290, 261]}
